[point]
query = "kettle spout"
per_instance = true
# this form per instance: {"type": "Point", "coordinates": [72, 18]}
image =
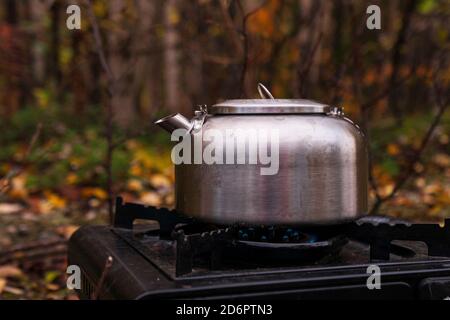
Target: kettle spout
{"type": "Point", "coordinates": [173, 122]}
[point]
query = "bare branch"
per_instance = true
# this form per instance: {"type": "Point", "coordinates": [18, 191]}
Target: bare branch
{"type": "Point", "coordinates": [99, 46]}
{"type": "Point", "coordinates": [36, 250]}
{"type": "Point", "coordinates": [246, 58]}
{"type": "Point", "coordinates": [306, 66]}
{"type": "Point", "coordinates": [235, 36]}
{"type": "Point", "coordinates": [108, 107]}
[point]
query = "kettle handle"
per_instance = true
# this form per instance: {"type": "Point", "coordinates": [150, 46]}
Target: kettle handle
{"type": "Point", "coordinates": [264, 92]}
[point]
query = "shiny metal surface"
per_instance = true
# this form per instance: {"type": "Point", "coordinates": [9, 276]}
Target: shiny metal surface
{"type": "Point", "coordinates": [322, 175]}
{"type": "Point", "coordinates": [265, 106]}
{"type": "Point", "coordinates": [175, 121]}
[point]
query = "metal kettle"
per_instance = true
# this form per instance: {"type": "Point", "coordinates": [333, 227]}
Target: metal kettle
{"type": "Point", "coordinates": [321, 171]}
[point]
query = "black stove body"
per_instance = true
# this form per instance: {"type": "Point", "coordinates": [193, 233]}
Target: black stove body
{"type": "Point", "coordinates": [174, 257]}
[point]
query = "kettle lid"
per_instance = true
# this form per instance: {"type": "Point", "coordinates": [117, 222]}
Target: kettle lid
{"type": "Point", "coordinates": [268, 105]}
{"type": "Point", "coordinates": [261, 106]}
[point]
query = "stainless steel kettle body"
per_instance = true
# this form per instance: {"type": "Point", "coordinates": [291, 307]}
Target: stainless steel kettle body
{"type": "Point", "coordinates": [320, 174]}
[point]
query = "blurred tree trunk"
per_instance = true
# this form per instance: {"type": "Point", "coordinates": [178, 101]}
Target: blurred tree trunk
{"type": "Point", "coordinates": [10, 67]}
{"type": "Point", "coordinates": [122, 102]}
{"type": "Point", "coordinates": [309, 42]}
{"type": "Point", "coordinates": [172, 57]}
{"type": "Point", "coordinates": [194, 74]}
{"type": "Point", "coordinates": [142, 42]}
{"type": "Point", "coordinates": [38, 12]}
{"type": "Point", "coordinates": [11, 11]}
{"type": "Point", "coordinates": [397, 56]}
{"type": "Point", "coordinates": [53, 64]}
{"type": "Point", "coordinates": [338, 61]}
{"type": "Point", "coordinates": [194, 67]}
{"type": "Point", "coordinates": [77, 75]}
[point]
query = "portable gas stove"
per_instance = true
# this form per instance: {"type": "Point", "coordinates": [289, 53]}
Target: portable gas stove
{"type": "Point", "coordinates": [170, 256]}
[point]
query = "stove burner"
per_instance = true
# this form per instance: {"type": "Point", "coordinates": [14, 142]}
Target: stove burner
{"type": "Point", "coordinates": [257, 253]}
{"type": "Point", "coordinates": [275, 235]}
{"type": "Point", "coordinates": [253, 246]}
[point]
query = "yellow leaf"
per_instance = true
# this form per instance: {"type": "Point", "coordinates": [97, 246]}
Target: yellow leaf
{"type": "Point", "coordinates": [94, 192]}
{"type": "Point", "coordinates": [42, 98]}
{"type": "Point", "coordinates": [134, 185]}
{"type": "Point", "coordinates": [386, 190]}
{"type": "Point", "coordinates": [151, 198]}
{"type": "Point", "coordinates": [170, 200]}
{"type": "Point", "coordinates": [99, 8]}
{"type": "Point", "coordinates": [135, 170]}
{"type": "Point", "coordinates": [18, 189]}
{"type": "Point", "coordinates": [45, 207]}
{"type": "Point", "coordinates": [174, 16]}
{"type": "Point", "coordinates": [393, 149]}
{"type": "Point", "coordinates": [55, 201]}
{"type": "Point", "coordinates": [160, 181]}
{"type": "Point", "coordinates": [143, 157]}
{"type": "Point", "coordinates": [2, 284]}
{"type": "Point", "coordinates": [71, 178]}
{"type": "Point", "coordinates": [52, 286]}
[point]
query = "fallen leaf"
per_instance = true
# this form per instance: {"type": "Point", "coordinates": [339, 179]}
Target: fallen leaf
{"type": "Point", "coordinates": [443, 139]}
{"type": "Point", "coordinates": [134, 185]}
{"type": "Point", "coordinates": [135, 170]}
{"type": "Point", "coordinates": [418, 167]}
{"type": "Point", "coordinates": [442, 160]}
{"type": "Point", "coordinates": [2, 284]}
{"type": "Point", "coordinates": [393, 149]}
{"type": "Point", "coordinates": [52, 286]}
{"type": "Point", "coordinates": [55, 200]}
{"type": "Point", "coordinates": [170, 199]}
{"type": "Point", "coordinates": [67, 231]}
{"type": "Point", "coordinates": [94, 192]}
{"type": "Point", "coordinates": [386, 190]}
{"type": "Point", "coordinates": [10, 271]}
{"type": "Point", "coordinates": [420, 182]}
{"type": "Point", "coordinates": [50, 276]}
{"type": "Point", "coordinates": [432, 188]}
{"type": "Point", "coordinates": [18, 189]}
{"type": "Point", "coordinates": [151, 198]}
{"type": "Point", "coordinates": [12, 290]}
{"type": "Point", "coordinates": [71, 178]}
{"type": "Point", "coordinates": [160, 181]}
{"type": "Point", "coordinates": [10, 208]}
